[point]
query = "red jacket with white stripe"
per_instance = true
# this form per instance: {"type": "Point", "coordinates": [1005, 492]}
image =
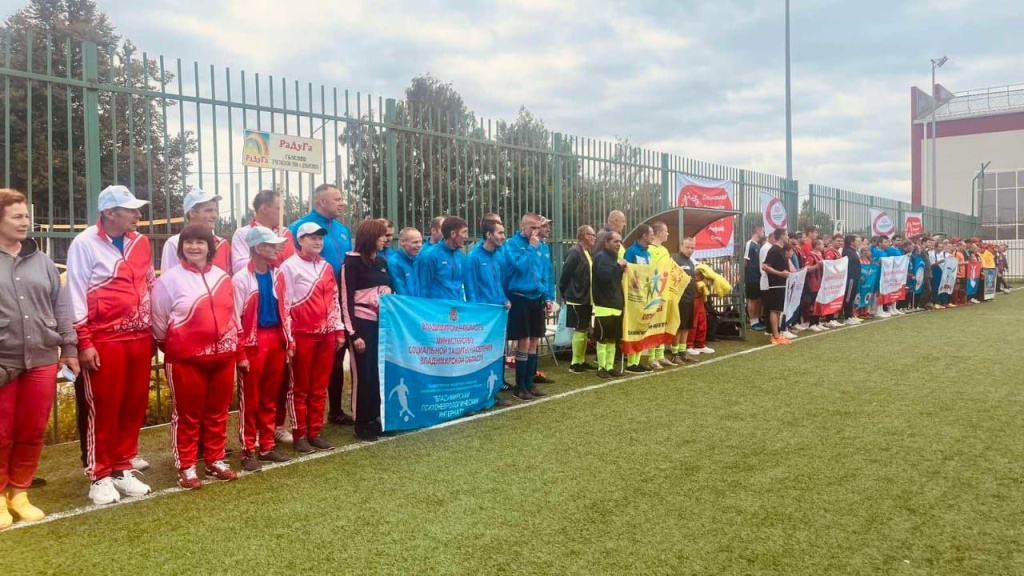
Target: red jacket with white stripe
{"type": "Point", "coordinates": [240, 255]}
{"type": "Point", "coordinates": [247, 304]}
{"type": "Point", "coordinates": [169, 257]}
{"type": "Point", "coordinates": [109, 290]}
{"type": "Point", "coordinates": [194, 314]}
{"type": "Point", "coordinates": [312, 296]}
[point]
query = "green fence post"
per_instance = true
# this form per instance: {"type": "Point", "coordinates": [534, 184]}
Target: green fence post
{"type": "Point", "coordinates": [666, 184]}
{"type": "Point", "coordinates": [391, 174]}
{"type": "Point", "coordinates": [93, 179]}
{"type": "Point", "coordinates": [560, 234]}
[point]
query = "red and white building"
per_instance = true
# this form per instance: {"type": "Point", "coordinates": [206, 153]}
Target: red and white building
{"type": "Point", "coordinates": [972, 129]}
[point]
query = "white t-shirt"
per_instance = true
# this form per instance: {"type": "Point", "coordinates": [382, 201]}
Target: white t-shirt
{"type": "Point", "coordinates": [764, 254]}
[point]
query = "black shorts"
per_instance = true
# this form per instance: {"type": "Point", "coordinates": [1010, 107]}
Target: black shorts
{"type": "Point", "coordinates": [685, 315]}
{"type": "Point", "coordinates": [775, 299]}
{"type": "Point", "coordinates": [753, 290]}
{"type": "Point", "coordinates": [578, 316]}
{"type": "Point", "coordinates": [608, 328]}
{"type": "Point", "coordinates": [525, 318]}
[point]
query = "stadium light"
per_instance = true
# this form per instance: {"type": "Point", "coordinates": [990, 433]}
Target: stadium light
{"type": "Point", "coordinates": [936, 63]}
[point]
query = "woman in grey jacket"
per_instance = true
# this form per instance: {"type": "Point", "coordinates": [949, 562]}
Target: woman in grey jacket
{"type": "Point", "coordinates": [35, 333]}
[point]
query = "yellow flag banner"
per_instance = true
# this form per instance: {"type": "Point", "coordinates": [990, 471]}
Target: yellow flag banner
{"type": "Point", "coordinates": [651, 316]}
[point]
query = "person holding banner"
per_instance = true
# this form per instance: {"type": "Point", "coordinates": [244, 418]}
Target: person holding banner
{"type": "Point", "coordinates": [312, 299]}
{"type": "Point", "coordinates": [609, 301]}
{"type": "Point", "coordinates": [440, 273]}
{"type": "Point", "coordinates": [266, 212]}
{"type": "Point", "coordinates": [364, 279]}
{"type": "Point", "coordinates": [574, 284]}
{"type": "Point", "coordinates": [195, 324]}
{"type": "Point", "coordinates": [659, 254]}
{"type": "Point", "coordinates": [638, 253]}
{"type": "Point", "coordinates": [776, 268]}
{"type": "Point", "coordinates": [200, 209]}
{"type": "Point", "coordinates": [524, 286]}
{"type": "Point", "coordinates": [484, 282]}
{"type": "Point", "coordinates": [401, 265]}
{"type": "Point", "coordinates": [265, 335]}
{"type": "Point", "coordinates": [329, 209]}
{"type": "Point", "coordinates": [811, 286]}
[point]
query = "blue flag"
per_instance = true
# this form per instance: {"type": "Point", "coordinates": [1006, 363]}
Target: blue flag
{"type": "Point", "coordinates": [439, 359]}
{"type": "Point", "coordinates": [869, 275]}
{"type": "Point", "coordinates": [919, 278]}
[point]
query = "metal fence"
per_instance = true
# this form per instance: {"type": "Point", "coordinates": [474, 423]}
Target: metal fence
{"type": "Point", "coordinates": [827, 205]}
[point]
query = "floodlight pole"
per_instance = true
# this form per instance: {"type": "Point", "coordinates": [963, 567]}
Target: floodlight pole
{"type": "Point", "coordinates": [789, 110]}
{"type": "Point", "coordinates": [936, 63]}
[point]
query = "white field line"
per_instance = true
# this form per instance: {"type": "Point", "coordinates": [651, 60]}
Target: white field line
{"type": "Point", "coordinates": [359, 445]}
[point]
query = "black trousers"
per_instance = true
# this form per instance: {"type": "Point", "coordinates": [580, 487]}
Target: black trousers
{"type": "Point", "coordinates": [366, 374]}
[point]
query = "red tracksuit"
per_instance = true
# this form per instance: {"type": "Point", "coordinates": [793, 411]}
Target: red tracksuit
{"type": "Point", "coordinates": [266, 349]}
{"type": "Point", "coordinates": [169, 256]}
{"type": "Point", "coordinates": [697, 337]}
{"type": "Point", "coordinates": [195, 325]}
{"type": "Point", "coordinates": [312, 295]}
{"type": "Point", "coordinates": [110, 297]}
{"type": "Point", "coordinates": [240, 250]}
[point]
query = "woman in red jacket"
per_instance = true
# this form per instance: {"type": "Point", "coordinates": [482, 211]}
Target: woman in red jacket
{"type": "Point", "coordinates": [195, 325]}
{"type": "Point", "coordinates": [364, 278]}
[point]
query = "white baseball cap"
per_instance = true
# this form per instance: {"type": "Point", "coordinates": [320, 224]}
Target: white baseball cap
{"type": "Point", "coordinates": [310, 228]}
{"type": "Point", "coordinates": [197, 196]}
{"type": "Point", "coordinates": [119, 197]}
{"type": "Point", "coordinates": [262, 235]}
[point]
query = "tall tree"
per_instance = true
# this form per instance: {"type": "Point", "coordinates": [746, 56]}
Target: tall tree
{"type": "Point", "coordinates": [47, 119]}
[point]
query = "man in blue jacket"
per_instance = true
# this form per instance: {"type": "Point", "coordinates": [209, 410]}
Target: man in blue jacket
{"type": "Point", "coordinates": [529, 300]}
{"type": "Point", "coordinates": [401, 262]}
{"type": "Point", "coordinates": [328, 208]}
{"type": "Point", "coordinates": [440, 273]}
{"type": "Point", "coordinates": [484, 274]}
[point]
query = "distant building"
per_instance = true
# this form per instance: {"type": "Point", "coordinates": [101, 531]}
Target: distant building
{"type": "Point", "coordinates": [974, 128]}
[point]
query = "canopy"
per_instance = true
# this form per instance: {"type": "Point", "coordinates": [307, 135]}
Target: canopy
{"type": "Point", "coordinates": [682, 223]}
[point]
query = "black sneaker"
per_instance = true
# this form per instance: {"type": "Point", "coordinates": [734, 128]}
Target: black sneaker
{"type": "Point", "coordinates": [38, 482]}
{"type": "Point", "coordinates": [616, 373]}
{"type": "Point", "coordinates": [341, 419]}
{"type": "Point", "coordinates": [273, 456]}
{"type": "Point", "coordinates": [589, 366]}
{"type": "Point", "coordinates": [302, 446]}
{"type": "Point", "coordinates": [604, 374]}
{"type": "Point", "coordinates": [523, 395]}
{"type": "Point", "coordinates": [536, 392]}
{"type": "Point", "coordinates": [367, 433]}
{"type": "Point", "coordinates": [250, 463]}
{"type": "Point", "coordinates": [637, 369]}
{"type": "Point", "coordinates": [577, 368]}
{"type": "Point", "coordinates": [500, 402]}
{"type": "Point", "coordinates": [506, 387]}
{"type": "Point", "coordinates": [319, 443]}
{"type": "Point", "coordinates": [541, 378]}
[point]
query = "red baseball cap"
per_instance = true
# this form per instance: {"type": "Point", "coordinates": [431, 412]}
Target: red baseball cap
{"type": "Point", "coordinates": [975, 240]}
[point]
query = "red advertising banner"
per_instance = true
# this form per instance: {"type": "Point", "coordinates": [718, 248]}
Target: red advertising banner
{"type": "Point", "coordinates": [717, 239]}
{"type": "Point", "coordinates": [913, 224]}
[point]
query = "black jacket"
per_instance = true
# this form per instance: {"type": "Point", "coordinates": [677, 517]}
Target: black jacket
{"type": "Point", "coordinates": [574, 283]}
{"type": "Point", "coordinates": [608, 281]}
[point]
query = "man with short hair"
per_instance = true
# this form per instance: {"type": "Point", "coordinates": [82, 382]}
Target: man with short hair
{"type": "Point", "coordinates": [109, 277]}
{"type": "Point", "coordinates": [776, 267]}
{"type": "Point", "coordinates": [440, 273]}
{"type": "Point", "coordinates": [389, 234]}
{"type": "Point", "coordinates": [436, 235]}
{"type": "Point", "coordinates": [810, 235]}
{"type": "Point", "coordinates": [752, 276]}
{"type": "Point", "coordinates": [266, 212]}
{"type": "Point", "coordinates": [574, 284]}
{"type": "Point", "coordinates": [524, 286]}
{"type": "Point", "coordinates": [617, 223]}
{"type": "Point", "coordinates": [200, 208]}
{"type": "Point", "coordinates": [484, 274]}
{"type": "Point", "coordinates": [329, 207]}
{"type": "Point", "coordinates": [402, 262]}
{"type": "Point", "coordinates": [265, 333]}
{"type": "Point", "coordinates": [547, 280]}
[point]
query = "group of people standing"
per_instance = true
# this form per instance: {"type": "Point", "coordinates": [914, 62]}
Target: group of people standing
{"type": "Point", "coordinates": [770, 259]}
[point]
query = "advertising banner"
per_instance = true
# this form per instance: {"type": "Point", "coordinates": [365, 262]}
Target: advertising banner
{"type": "Point", "coordinates": [881, 223]}
{"type": "Point", "coordinates": [773, 213]}
{"type": "Point", "coordinates": [651, 316]}
{"type": "Point", "coordinates": [833, 287]}
{"type": "Point", "coordinates": [717, 239]}
{"type": "Point", "coordinates": [282, 152]}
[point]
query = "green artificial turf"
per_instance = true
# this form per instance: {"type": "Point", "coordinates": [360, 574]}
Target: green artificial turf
{"type": "Point", "coordinates": [894, 448]}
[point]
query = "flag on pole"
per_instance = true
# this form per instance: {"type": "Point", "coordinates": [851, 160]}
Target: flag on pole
{"type": "Point", "coordinates": [881, 223]}
{"type": "Point", "coordinates": [773, 213]}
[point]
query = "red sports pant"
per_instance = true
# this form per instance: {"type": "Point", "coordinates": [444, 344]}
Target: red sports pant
{"type": "Point", "coordinates": [697, 338]}
{"type": "Point", "coordinates": [311, 372]}
{"type": "Point", "coordinates": [116, 397]}
{"type": "Point", "coordinates": [201, 392]}
{"type": "Point", "coordinates": [258, 390]}
{"type": "Point", "coordinates": [24, 409]}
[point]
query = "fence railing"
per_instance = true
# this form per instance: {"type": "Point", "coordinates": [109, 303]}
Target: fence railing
{"type": "Point", "coordinates": [826, 205]}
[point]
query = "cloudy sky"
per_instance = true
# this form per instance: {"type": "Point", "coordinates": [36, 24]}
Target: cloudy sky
{"type": "Point", "coordinates": [700, 78]}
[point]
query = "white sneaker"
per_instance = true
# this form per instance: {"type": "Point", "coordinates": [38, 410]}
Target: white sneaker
{"type": "Point", "coordinates": [129, 485]}
{"type": "Point", "coordinates": [884, 314]}
{"type": "Point", "coordinates": [851, 322]}
{"type": "Point", "coordinates": [102, 492]}
{"type": "Point", "coordinates": [796, 328]}
{"type": "Point", "coordinates": [787, 334]}
{"type": "Point", "coordinates": [139, 464]}
{"type": "Point", "coordinates": [834, 324]}
{"type": "Point", "coordinates": [817, 328]}
{"type": "Point", "coordinates": [975, 301]}
{"type": "Point", "coordinates": [692, 352]}
{"type": "Point", "coordinates": [706, 350]}
{"type": "Point", "coordinates": [655, 365]}
{"type": "Point", "coordinates": [824, 327]}
{"type": "Point", "coordinates": [282, 435]}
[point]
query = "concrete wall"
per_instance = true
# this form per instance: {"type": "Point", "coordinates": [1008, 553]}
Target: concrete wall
{"type": "Point", "coordinates": [960, 157]}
